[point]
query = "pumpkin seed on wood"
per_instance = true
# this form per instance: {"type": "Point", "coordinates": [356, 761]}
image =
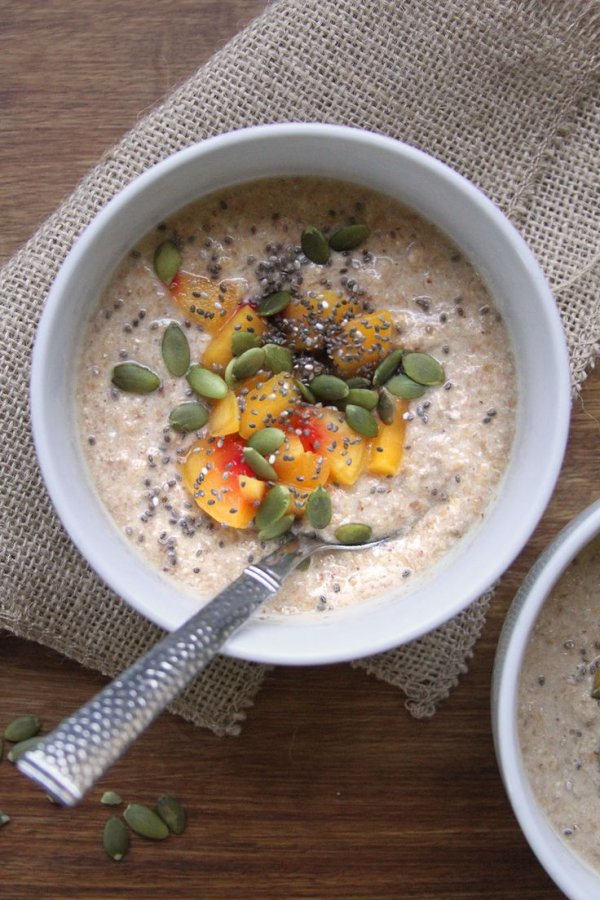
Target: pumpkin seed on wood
{"type": "Point", "coordinates": [278, 359]}
{"type": "Point", "coordinates": [206, 383]}
{"type": "Point", "coordinates": [423, 368]}
{"type": "Point", "coordinates": [358, 381]}
{"type": "Point", "coordinates": [353, 533]}
{"type": "Point", "coordinates": [361, 420]}
{"type": "Point", "coordinates": [4, 818]}
{"type": "Point", "coordinates": [242, 341]}
{"type": "Point", "coordinates": [306, 392]}
{"type": "Point", "coordinates": [22, 728]}
{"type": "Point", "coordinates": [267, 440]}
{"type": "Point", "coordinates": [249, 363]}
{"type": "Point", "coordinates": [115, 838]}
{"type": "Point", "coordinates": [146, 822]}
{"type": "Point", "coordinates": [318, 508]}
{"type": "Point", "coordinates": [403, 386]}
{"type": "Point", "coordinates": [134, 378]}
{"type": "Point", "coordinates": [387, 367]}
{"type": "Point", "coordinates": [167, 260]}
{"type": "Point", "coordinates": [276, 529]}
{"type": "Point", "coordinates": [329, 388]}
{"type": "Point", "coordinates": [386, 407]}
{"type": "Point", "coordinates": [188, 417]}
{"type": "Point", "coordinates": [172, 813]}
{"type": "Point", "coordinates": [274, 303]}
{"type": "Point", "coordinates": [259, 464]}
{"type": "Point", "coordinates": [17, 750]}
{"type": "Point", "coordinates": [110, 798]}
{"type": "Point", "coordinates": [349, 237]}
{"type": "Point", "coordinates": [315, 246]}
{"type": "Point", "coordinates": [274, 506]}
{"type": "Point", "coordinates": [363, 397]}
{"type": "Point", "coordinates": [175, 350]}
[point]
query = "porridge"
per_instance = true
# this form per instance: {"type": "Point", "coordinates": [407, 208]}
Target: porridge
{"type": "Point", "coordinates": [296, 353]}
{"type": "Point", "coordinates": [559, 708]}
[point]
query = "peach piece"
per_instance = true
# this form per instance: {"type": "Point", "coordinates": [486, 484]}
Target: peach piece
{"type": "Point", "coordinates": [308, 319]}
{"type": "Point", "coordinates": [212, 472]}
{"type": "Point", "coordinates": [203, 301]}
{"type": "Point", "coordinates": [363, 342]}
{"type": "Point", "coordinates": [385, 451]}
{"type": "Point", "coordinates": [219, 351]}
{"type": "Point", "coordinates": [224, 417]}
{"type": "Point", "coordinates": [326, 431]}
{"type": "Point", "coordinates": [269, 403]}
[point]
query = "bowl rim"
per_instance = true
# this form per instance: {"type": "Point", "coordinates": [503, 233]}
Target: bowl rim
{"type": "Point", "coordinates": [512, 644]}
{"type": "Point", "coordinates": [260, 640]}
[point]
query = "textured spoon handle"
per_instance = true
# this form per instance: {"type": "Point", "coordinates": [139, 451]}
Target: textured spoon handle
{"type": "Point", "coordinates": [69, 760]}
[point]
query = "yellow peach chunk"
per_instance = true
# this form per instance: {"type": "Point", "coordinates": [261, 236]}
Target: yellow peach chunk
{"type": "Point", "coordinates": [212, 472]}
{"type": "Point", "coordinates": [252, 489]}
{"type": "Point", "coordinates": [308, 319]}
{"type": "Point", "coordinates": [385, 451]}
{"type": "Point", "coordinates": [224, 417]}
{"type": "Point", "coordinates": [363, 342]}
{"type": "Point", "coordinates": [326, 431]}
{"type": "Point", "coordinates": [269, 403]}
{"type": "Point", "coordinates": [219, 351]}
{"type": "Point", "coordinates": [206, 302]}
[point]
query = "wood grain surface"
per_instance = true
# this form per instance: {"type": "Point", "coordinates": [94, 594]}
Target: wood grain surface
{"type": "Point", "coordinates": [332, 790]}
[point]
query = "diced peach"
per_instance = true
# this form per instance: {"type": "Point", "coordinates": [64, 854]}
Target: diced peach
{"type": "Point", "coordinates": [252, 489]}
{"type": "Point", "coordinates": [326, 431]}
{"type": "Point", "coordinates": [385, 451]}
{"type": "Point", "coordinates": [212, 472]}
{"type": "Point", "coordinates": [363, 342]}
{"type": "Point", "coordinates": [269, 403]}
{"type": "Point", "coordinates": [308, 319]}
{"type": "Point", "coordinates": [203, 301]}
{"type": "Point", "coordinates": [224, 417]}
{"type": "Point", "coordinates": [219, 351]}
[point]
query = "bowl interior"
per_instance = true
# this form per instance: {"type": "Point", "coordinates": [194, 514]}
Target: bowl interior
{"type": "Point", "coordinates": [459, 210]}
{"type": "Point", "coordinates": [570, 873]}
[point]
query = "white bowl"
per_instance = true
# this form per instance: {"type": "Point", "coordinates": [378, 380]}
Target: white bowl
{"type": "Point", "coordinates": [576, 879]}
{"type": "Point", "coordinates": [440, 195]}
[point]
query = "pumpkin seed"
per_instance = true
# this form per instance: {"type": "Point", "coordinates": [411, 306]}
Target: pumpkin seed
{"type": "Point", "coordinates": [188, 417]}
{"type": "Point", "coordinates": [274, 506]}
{"type": "Point", "coordinates": [363, 397]}
{"type": "Point", "coordinates": [306, 392]}
{"type": "Point", "coordinates": [22, 728]}
{"type": "Point", "coordinates": [4, 818]}
{"type": "Point", "coordinates": [353, 533]}
{"type": "Point", "coordinates": [276, 529]}
{"type": "Point", "coordinates": [423, 368]}
{"type": "Point", "coordinates": [358, 381]}
{"type": "Point", "coordinates": [278, 359]}
{"type": "Point", "coordinates": [386, 407]}
{"type": "Point", "coordinates": [274, 303]}
{"type": "Point", "coordinates": [329, 388]}
{"type": "Point", "coordinates": [134, 378]}
{"type": "Point", "coordinates": [175, 350]}
{"type": "Point", "coordinates": [242, 341]}
{"type": "Point", "coordinates": [387, 367]}
{"type": "Point", "coordinates": [228, 375]}
{"type": "Point", "coordinates": [249, 363]}
{"type": "Point", "coordinates": [596, 685]}
{"type": "Point", "coordinates": [146, 822]}
{"type": "Point", "coordinates": [259, 465]}
{"type": "Point", "coordinates": [115, 838]}
{"type": "Point", "coordinates": [315, 246]}
{"type": "Point", "coordinates": [403, 386]}
{"type": "Point", "coordinates": [206, 383]}
{"type": "Point", "coordinates": [304, 566]}
{"type": "Point", "coordinates": [361, 420]}
{"type": "Point", "coordinates": [349, 237]}
{"type": "Point", "coordinates": [172, 813]}
{"type": "Point", "coordinates": [110, 798]}
{"type": "Point", "coordinates": [318, 508]}
{"type": "Point", "coordinates": [167, 260]}
{"type": "Point", "coordinates": [17, 750]}
{"type": "Point", "coordinates": [267, 440]}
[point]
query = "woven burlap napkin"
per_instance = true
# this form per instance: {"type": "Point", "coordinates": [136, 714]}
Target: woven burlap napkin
{"type": "Point", "coordinates": [506, 92]}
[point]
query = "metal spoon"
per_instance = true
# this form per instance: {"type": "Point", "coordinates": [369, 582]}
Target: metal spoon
{"type": "Point", "coordinates": [72, 758]}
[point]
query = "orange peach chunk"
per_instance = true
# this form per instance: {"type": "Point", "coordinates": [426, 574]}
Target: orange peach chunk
{"type": "Point", "coordinates": [308, 319]}
{"type": "Point", "coordinates": [269, 403]}
{"type": "Point", "coordinates": [204, 301]}
{"type": "Point", "coordinates": [219, 351]}
{"type": "Point", "coordinates": [385, 451]}
{"type": "Point", "coordinates": [363, 342]}
{"type": "Point", "coordinates": [224, 417]}
{"type": "Point", "coordinates": [326, 431]}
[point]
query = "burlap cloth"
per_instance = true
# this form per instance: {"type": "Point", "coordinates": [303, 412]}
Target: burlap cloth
{"type": "Point", "coordinates": [506, 92]}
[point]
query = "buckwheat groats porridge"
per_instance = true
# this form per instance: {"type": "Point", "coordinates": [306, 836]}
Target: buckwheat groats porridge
{"type": "Point", "coordinates": [559, 706]}
{"type": "Point", "coordinates": [296, 354]}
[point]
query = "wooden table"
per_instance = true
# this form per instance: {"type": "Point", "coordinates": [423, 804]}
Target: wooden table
{"type": "Point", "coordinates": [332, 790]}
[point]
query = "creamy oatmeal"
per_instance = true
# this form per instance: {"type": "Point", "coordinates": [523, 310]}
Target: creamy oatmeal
{"type": "Point", "coordinates": [559, 720]}
{"type": "Point", "coordinates": [457, 437]}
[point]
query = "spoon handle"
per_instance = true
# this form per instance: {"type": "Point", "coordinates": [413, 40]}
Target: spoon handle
{"type": "Point", "coordinates": [72, 758]}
